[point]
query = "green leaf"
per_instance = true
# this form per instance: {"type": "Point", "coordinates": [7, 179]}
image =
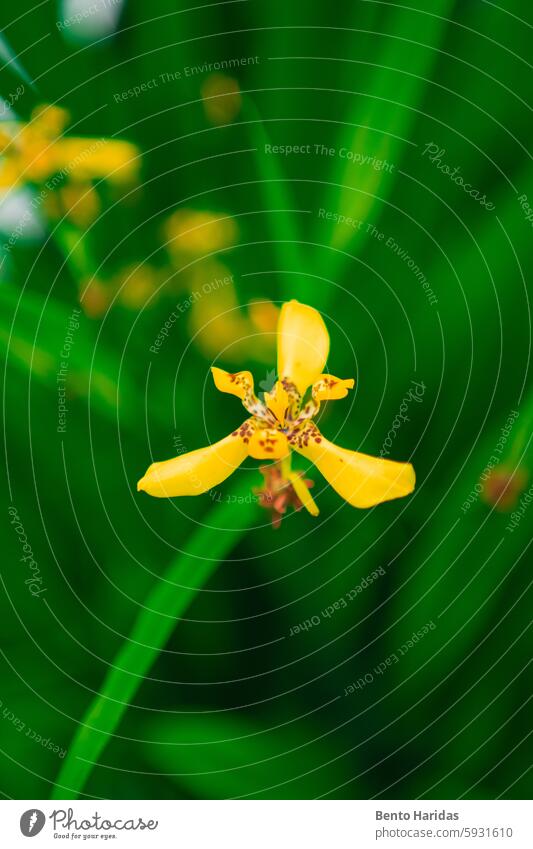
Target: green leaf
{"type": "Point", "coordinates": [380, 124]}
{"type": "Point", "coordinates": [36, 335]}
{"type": "Point", "coordinates": [278, 201]}
{"type": "Point", "coordinates": [238, 755]}
{"type": "Point", "coordinates": [166, 603]}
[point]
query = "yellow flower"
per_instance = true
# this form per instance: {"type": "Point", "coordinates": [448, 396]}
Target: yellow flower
{"type": "Point", "coordinates": [217, 322]}
{"type": "Point", "coordinates": [137, 285]}
{"type": "Point", "coordinates": [264, 316]}
{"type": "Point", "coordinates": [95, 297]}
{"type": "Point", "coordinates": [78, 201]}
{"type": "Point", "coordinates": [37, 152]}
{"type": "Point", "coordinates": [193, 232]}
{"type": "Point", "coordinates": [283, 423]}
{"type": "Point", "coordinates": [222, 99]}
{"type": "Point", "coordinates": [504, 486]}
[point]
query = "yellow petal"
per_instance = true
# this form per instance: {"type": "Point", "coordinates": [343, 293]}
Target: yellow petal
{"type": "Point", "coordinates": [302, 491]}
{"type": "Point", "coordinates": [10, 174]}
{"type": "Point", "coordinates": [198, 471]}
{"type": "Point", "coordinates": [268, 444]}
{"type": "Point", "coordinates": [329, 388]}
{"type": "Point", "coordinates": [303, 344]}
{"type": "Point", "coordinates": [240, 384]}
{"type": "Point", "coordinates": [91, 158]}
{"type": "Point", "coordinates": [361, 480]}
{"type": "Point", "coordinates": [49, 120]}
{"type": "Point", "coordinates": [278, 401]}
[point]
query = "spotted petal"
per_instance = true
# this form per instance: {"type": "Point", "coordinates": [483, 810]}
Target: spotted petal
{"type": "Point", "coordinates": [303, 345]}
{"type": "Point", "coordinates": [198, 471]}
{"type": "Point", "coordinates": [363, 481]}
{"type": "Point", "coordinates": [330, 388]}
{"type": "Point", "coordinates": [240, 384]}
{"type": "Point", "coordinates": [268, 444]}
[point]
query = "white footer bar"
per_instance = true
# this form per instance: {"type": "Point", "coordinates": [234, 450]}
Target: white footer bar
{"type": "Point", "coordinates": [267, 824]}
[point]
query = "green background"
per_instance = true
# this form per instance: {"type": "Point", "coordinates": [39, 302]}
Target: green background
{"type": "Point", "coordinates": [230, 705]}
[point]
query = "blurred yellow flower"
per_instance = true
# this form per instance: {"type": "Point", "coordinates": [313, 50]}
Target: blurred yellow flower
{"type": "Point", "coordinates": [78, 201]}
{"type": "Point", "coordinates": [283, 423]}
{"type": "Point", "coordinates": [38, 152]}
{"type": "Point", "coordinates": [133, 287]}
{"type": "Point", "coordinates": [218, 323]}
{"type": "Point", "coordinates": [264, 315]}
{"type": "Point", "coordinates": [95, 297]}
{"type": "Point", "coordinates": [137, 284]}
{"type": "Point", "coordinates": [191, 232]}
{"type": "Point", "coordinates": [504, 486]}
{"type": "Point", "coordinates": [222, 101]}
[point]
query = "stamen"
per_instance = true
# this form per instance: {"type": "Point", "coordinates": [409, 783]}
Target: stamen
{"type": "Point", "coordinates": [284, 488]}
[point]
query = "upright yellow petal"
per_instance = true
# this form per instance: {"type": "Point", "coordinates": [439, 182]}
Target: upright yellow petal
{"type": "Point", "coordinates": [303, 345]}
{"type": "Point", "coordinates": [278, 401]}
{"type": "Point", "coordinates": [361, 480]}
{"type": "Point", "coordinates": [198, 471]}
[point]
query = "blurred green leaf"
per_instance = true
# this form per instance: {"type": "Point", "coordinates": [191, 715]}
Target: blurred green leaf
{"type": "Point", "coordinates": [164, 606]}
{"type": "Point", "coordinates": [242, 756]}
{"type": "Point", "coordinates": [384, 117]}
{"type": "Point", "coordinates": [35, 332]}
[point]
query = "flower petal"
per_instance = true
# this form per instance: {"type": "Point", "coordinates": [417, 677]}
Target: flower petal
{"type": "Point", "coordinates": [278, 401]}
{"type": "Point", "coordinates": [268, 444]}
{"type": "Point", "coordinates": [240, 384]}
{"type": "Point", "coordinates": [198, 471]}
{"type": "Point", "coordinates": [330, 388]}
{"type": "Point", "coordinates": [303, 344]}
{"type": "Point", "coordinates": [89, 159]}
{"type": "Point", "coordinates": [302, 491]}
{"type": "Point", "coordinates": [361, 480]}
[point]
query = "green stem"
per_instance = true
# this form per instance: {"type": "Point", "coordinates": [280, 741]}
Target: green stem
{"type": "Point", "coordinates": [166, 604]}
{"type": "Point", "coordinates": [75, 249]}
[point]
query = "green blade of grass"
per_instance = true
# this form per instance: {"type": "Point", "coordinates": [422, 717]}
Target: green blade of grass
{"type": "Point", "coordinates": [384, 119]}
{"type": "Point", "coordinates": [277, 195]}
{"type": "Point", "coordinates": [166, 603]}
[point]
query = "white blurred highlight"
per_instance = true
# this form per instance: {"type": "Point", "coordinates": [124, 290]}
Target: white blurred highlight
{"type": "Point", "coordinates": [88, 20]}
